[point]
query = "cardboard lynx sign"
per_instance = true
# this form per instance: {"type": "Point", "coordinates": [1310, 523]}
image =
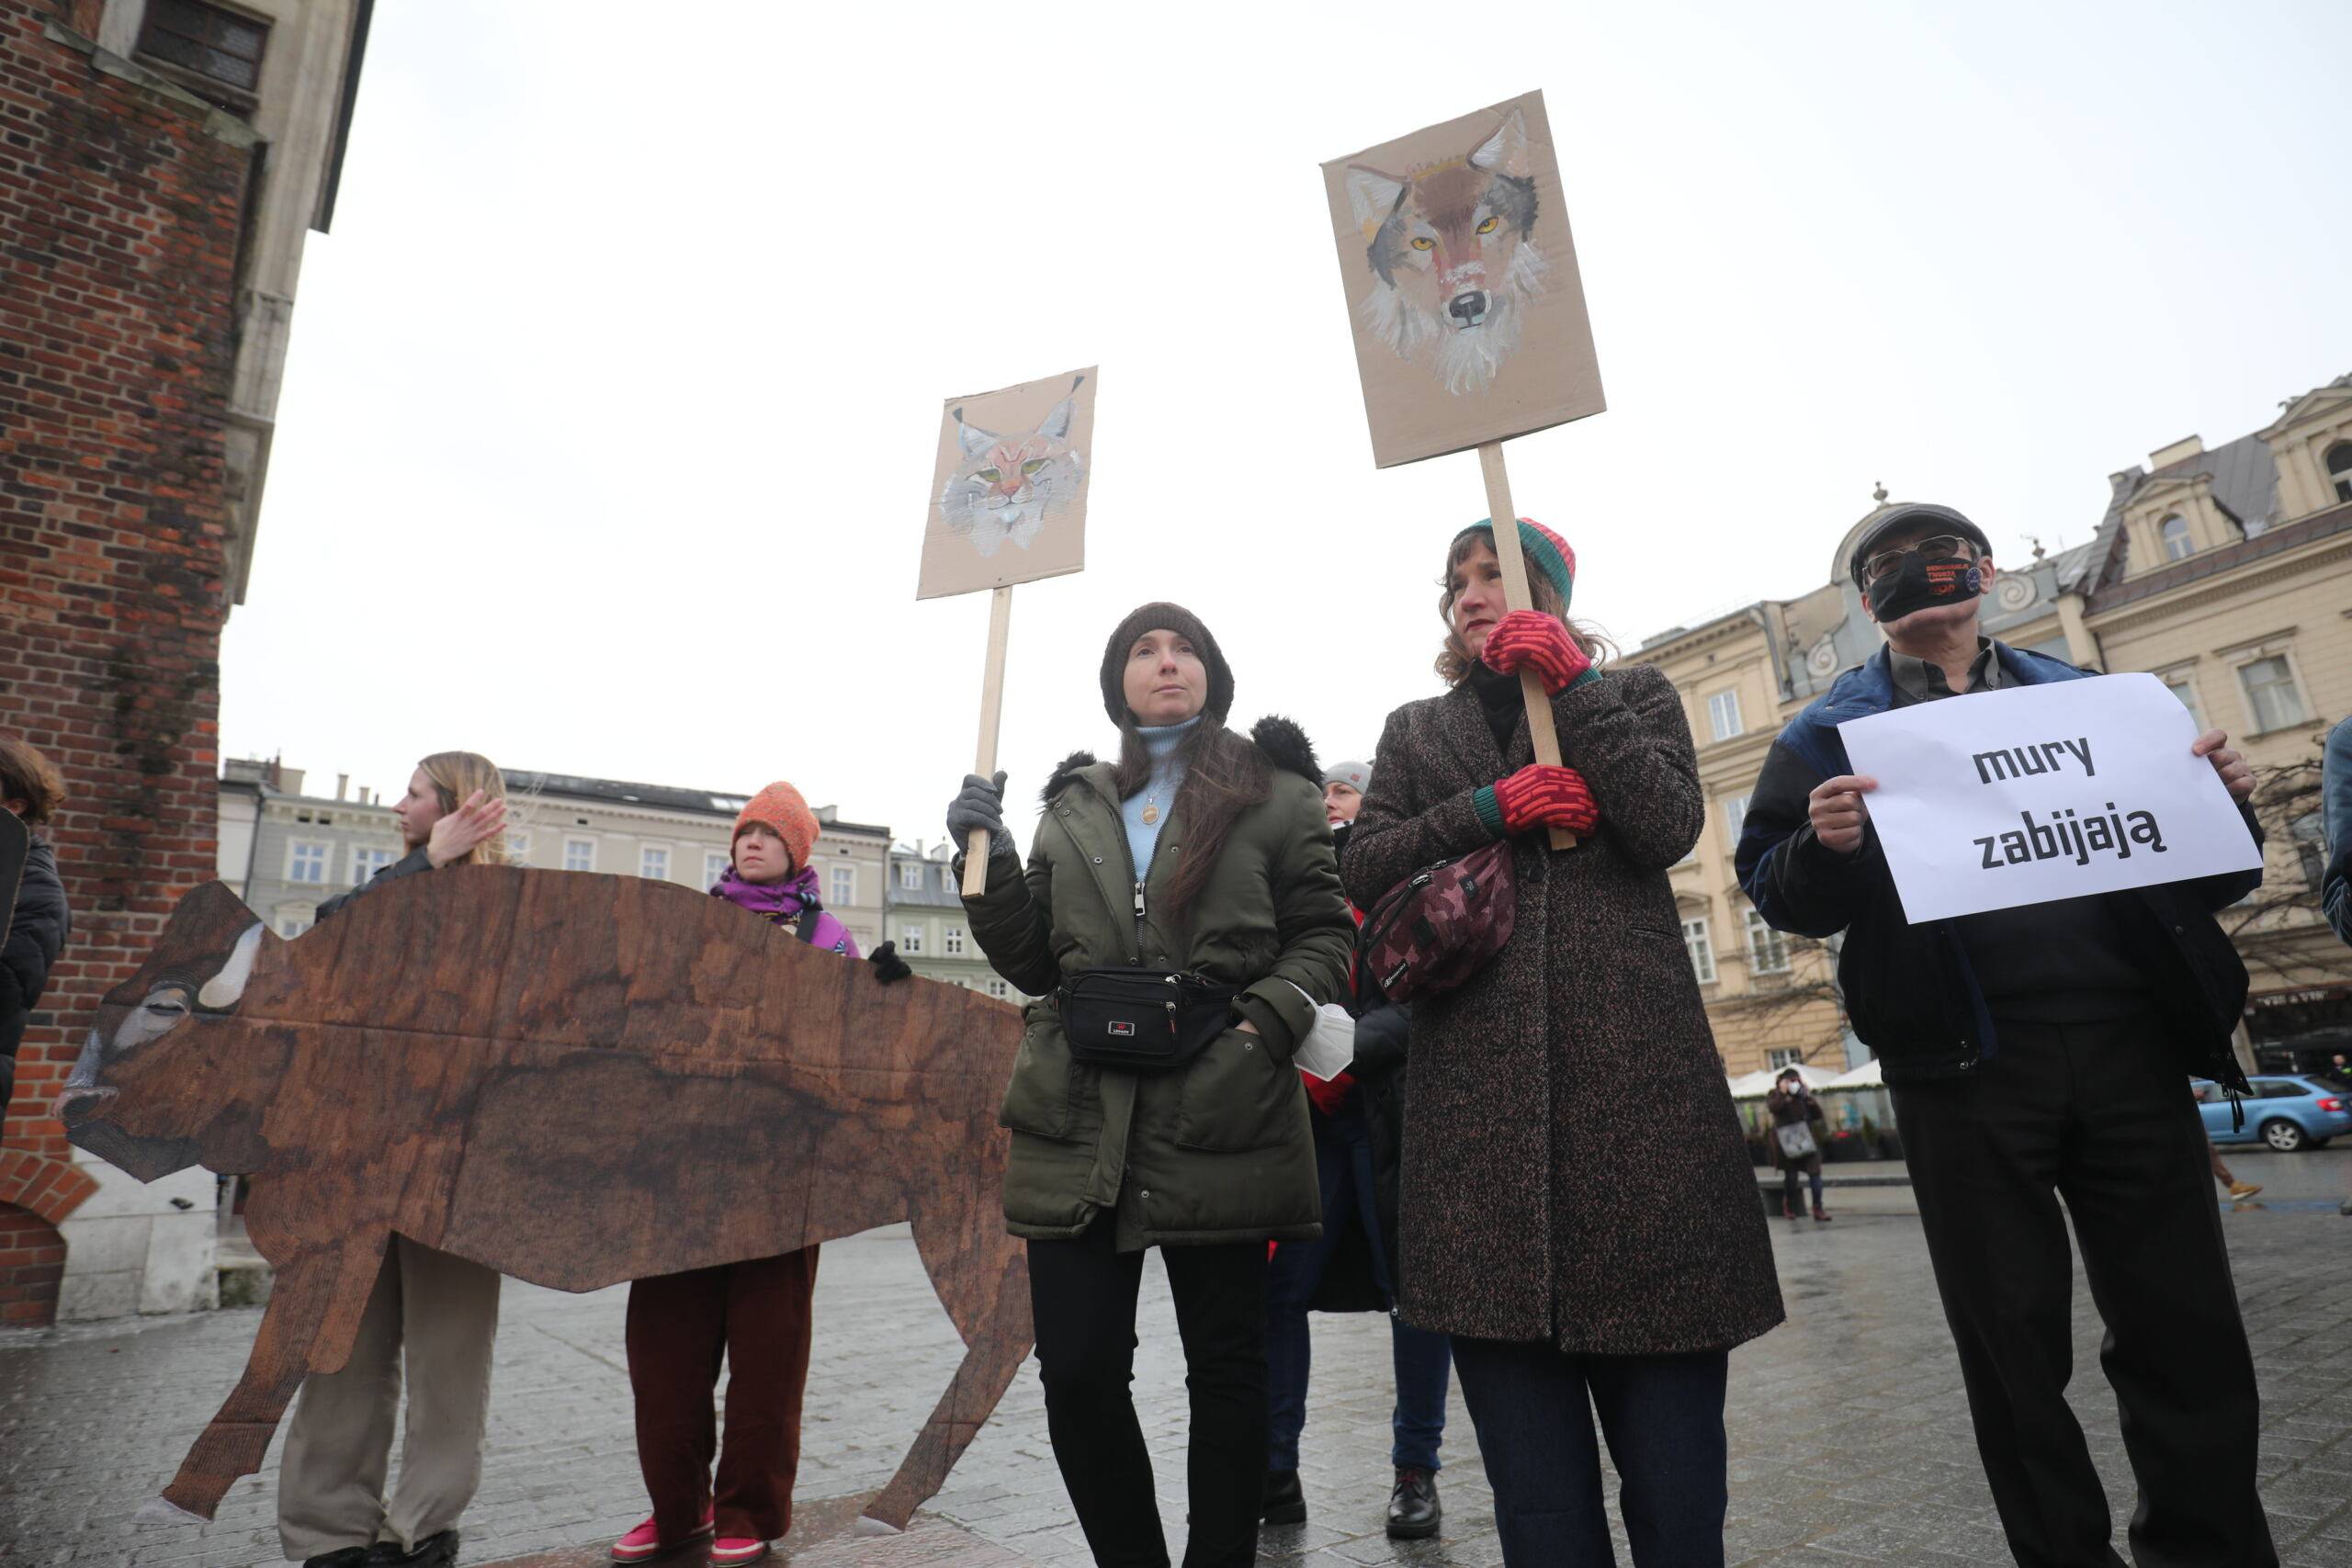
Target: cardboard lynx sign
{"type": "Point", "coordinates": [1460, 281]}
{"type": "Point", "coordinates": [1008, 492]}
{"type": "Point", "coordinates": [1008, 504]}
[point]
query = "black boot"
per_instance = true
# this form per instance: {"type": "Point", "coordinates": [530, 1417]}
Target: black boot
{"type": "Point", "coordinates": [438, 1550]}
{"type": "Point", "coordinates": [341, 1557]}
{"type": "Point", "coordinates": [1413, 1507]}
{"type": "Point", "coordinates": [1281, 1503]}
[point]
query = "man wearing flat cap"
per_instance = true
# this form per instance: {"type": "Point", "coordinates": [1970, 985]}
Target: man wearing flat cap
{"type": "Point", "coordinates": [2036, 1054]}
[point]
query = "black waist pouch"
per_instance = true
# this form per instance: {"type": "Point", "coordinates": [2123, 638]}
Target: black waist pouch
{"type": "Point", "coordinates": [1140, 1021]}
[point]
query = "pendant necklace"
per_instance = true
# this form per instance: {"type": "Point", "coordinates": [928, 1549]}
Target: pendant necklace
{"type": "Point", "coordinates": [1151, 809]}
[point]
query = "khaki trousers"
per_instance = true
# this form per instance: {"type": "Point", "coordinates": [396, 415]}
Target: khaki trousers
{"type": "Point", "coordinates": [443, 1312]}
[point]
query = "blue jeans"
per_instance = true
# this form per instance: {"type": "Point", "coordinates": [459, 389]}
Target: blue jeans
{"type": "Point", "coordinates": [1423, 1361]}
{"type": "Point", "coordinates": [1663, 1416]}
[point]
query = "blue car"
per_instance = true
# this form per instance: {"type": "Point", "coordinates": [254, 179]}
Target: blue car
{"type": "Point", "coordinates": [2284, 1112]}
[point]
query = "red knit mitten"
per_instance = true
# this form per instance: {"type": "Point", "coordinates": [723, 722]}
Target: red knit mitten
{"type": "Point", "coordinates": [1532, 640]}
{"type": "Point", "coordinates": [1538, 796]}
{"type": "Point", "coordinates": [1329, 1095]}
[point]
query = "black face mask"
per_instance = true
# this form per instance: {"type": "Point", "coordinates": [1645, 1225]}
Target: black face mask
{"type": "Point", "coordinates": [1920, 583]}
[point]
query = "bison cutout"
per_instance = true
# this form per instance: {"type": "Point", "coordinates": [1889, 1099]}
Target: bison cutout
{"type": "Point", "coordinates": [572, 1079]}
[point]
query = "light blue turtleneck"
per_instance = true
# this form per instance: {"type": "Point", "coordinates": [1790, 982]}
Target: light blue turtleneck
{"type": "Point", "coordinates": [1167, 774]}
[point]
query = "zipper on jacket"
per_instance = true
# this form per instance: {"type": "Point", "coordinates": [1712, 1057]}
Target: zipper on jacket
{"type": "Point", "coordinates": [1139, 916]}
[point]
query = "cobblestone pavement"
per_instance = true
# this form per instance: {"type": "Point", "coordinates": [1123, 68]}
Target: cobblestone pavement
{"type": "Point", "coordinates": [1849, 1433]}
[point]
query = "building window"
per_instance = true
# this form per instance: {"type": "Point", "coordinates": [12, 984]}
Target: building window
{"type": "Point", "coordinates": [1703, 951]}
{"type": "Point", "coordinates": [714, 867]}
{"type": "Point", "coordinates": [653, 863]}
{"type": "Point", "coordinates": [2307, 834]}
{"type": "Point", "coordinates": [2339, 470]}
{"type": "Point", "coordinates": [221, 47]}
{"type": "Point", "coordinates": [2182, 684]}
{"type": "Point", "coordinates": [910, 875]}
{"type": "Point", "coordinates": [293, 920]}
{"type": "Point", "coordinates": [951, 942]}
{"type": "Point", "coordinates": [366, 864]}
{"type": "Point", "coordinates": [1787, 1057]}
{"type": "Point", "coordinates": [2270, 694]}
{"type": "Point", "coordinates": [580, 855]}
{"type": "Point", "coordinates": [1723, 714]}
{"type": "Point", "coordinates": [1768, 950]}
{"type": "Point", "coordinates": [306, 862]}
{"type": "Point", "coordinates": [289, 926]}
{"type": "Point", "coordinates": [1735, 819]}
{"type": "Point", "coordinates": [518, 847]}
{"type": "Point", "coordinates": [2173, 533]}
{"type": "Point", "coordinates": [910, 937]}
{"type": "Point", "coordinates": [844, 884]}
{"type": "Point", "coordinates": [999, 989]}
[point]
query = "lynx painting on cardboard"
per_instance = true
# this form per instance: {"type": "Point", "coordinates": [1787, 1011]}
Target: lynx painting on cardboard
{"type": "Point", "coordinates": [1462, 283]}
{"type": "Point", "coordinates": [1008, 495]}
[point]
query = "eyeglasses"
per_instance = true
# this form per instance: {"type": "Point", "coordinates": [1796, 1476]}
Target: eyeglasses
{"type": "Point", "coordinates": [1885, 562]}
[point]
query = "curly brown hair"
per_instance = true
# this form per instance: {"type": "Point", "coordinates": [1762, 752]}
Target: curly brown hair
{"type": "Point", "coordinates": [1454, 661]}
{"type": "Point", "coordinates": [28, 776]}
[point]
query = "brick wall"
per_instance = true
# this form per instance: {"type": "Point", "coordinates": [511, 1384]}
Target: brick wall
{"type": "Point", "coordinates": [120, 209]}
{"type": "Point", "coordinates": [32, 1259]}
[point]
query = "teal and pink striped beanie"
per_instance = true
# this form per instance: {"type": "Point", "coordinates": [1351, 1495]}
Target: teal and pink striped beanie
{"type": "Point", "coordinates": [1546, 551]}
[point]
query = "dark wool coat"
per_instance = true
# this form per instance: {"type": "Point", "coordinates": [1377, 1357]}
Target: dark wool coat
{"type": "Point", "coordinates": [1219, 1150]}
{"type": "Point", "coordinates": [1573, 1167]}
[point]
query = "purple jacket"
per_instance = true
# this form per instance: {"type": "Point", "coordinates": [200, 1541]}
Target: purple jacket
{"type": "Point", "coordinates": [783, 902]}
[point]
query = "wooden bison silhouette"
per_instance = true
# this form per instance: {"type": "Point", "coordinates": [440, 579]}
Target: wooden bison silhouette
{"type": "Point", "coordinates": [572, 1078]}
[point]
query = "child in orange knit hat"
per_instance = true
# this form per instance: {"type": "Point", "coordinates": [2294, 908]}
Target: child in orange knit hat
{"type": "Point", "coordinates": [756, 1313]}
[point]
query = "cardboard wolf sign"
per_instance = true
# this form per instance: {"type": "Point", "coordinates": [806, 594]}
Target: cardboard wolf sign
{"type": "Point", "coordinates": [572, 1079]}
{"type": "Point", "coordinates": [1461, 285]}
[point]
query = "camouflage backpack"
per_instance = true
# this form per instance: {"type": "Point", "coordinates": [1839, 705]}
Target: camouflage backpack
{"type": "Point", "coordinates": [1440, 925]}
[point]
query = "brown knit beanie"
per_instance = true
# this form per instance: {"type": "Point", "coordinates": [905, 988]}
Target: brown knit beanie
{"type": "Point", "coordinates": [1164, 617]}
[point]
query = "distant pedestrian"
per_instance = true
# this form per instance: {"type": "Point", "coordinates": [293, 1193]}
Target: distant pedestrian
{"type": "Point", "coordinates": [1795, 1147]}
{"type": "Point", "coordinates": [32, 789]}
{"type": "Point", "coordinates": [752, 1316]}
{"type": "Point", "coordinates": [1577, 1207]}
{"type": "Point", "coordinates": [1358, 1133]}
{"type": "Point", "coordinates": [2238, 1190]}
{"type": "Point", "coordinates": [436, 1312]}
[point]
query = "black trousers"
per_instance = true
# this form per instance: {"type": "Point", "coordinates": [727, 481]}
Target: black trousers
{"type": "Point", "coordinates": [1084, 1297]}
{"type": "Point", "coordinates": [2100, 1115]}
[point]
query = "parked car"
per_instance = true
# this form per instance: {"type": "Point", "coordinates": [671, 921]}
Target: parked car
{"type": "Point", "coordinates": [2285, 1114]}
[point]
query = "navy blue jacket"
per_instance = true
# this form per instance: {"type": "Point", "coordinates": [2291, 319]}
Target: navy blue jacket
{"type": "Point", "coordinates": [1909, 989]}
{"type": "Point", "coordinates": [2336, 803]}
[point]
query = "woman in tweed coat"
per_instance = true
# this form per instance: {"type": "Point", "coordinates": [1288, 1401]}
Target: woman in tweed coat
{"type": "Point", "coordinates": [1578, 1209]}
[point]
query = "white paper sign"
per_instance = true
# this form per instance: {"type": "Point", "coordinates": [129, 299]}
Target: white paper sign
{"type": "Point", "coordinates": [2037, 793]}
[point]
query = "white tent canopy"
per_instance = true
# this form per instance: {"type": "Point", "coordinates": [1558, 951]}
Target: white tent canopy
{"type": "Point", "coordinates": [1867, 1076]}
{"type": "Point", "coordinates": [1755, 1086]}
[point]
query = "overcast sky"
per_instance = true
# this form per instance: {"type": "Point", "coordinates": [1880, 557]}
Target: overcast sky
{"type": "Point", "coordinates": [609, 416]}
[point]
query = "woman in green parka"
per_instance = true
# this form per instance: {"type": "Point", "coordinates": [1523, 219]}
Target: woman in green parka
{"type": "Point", "coordinates": [1200, 853]}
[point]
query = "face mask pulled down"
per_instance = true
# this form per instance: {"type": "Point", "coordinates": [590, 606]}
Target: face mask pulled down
{"type": "Point", "coordinates": [1921, 583]}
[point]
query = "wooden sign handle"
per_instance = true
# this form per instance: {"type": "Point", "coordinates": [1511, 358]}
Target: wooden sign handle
{"type": "Point", "coordinates": [1518, 596]}
{"type": "Point", "coordinates": [976, 852]}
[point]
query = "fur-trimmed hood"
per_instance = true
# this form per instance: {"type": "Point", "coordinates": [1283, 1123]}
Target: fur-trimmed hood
{"type": "Point", "coordinates": [1283, 742]}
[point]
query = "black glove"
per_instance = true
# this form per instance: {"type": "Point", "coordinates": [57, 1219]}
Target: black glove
{"type": "Point", "coordinates": [981, 804]}
{"type": "Point", "coordinates": [888, 965]}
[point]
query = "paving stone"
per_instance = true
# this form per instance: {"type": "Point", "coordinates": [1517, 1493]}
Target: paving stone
{"type": "Point", "coordinates": [1850, 1435]}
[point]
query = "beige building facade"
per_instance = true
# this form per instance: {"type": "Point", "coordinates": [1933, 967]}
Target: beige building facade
{"type": "Point", "coordinates": [2226, 572]}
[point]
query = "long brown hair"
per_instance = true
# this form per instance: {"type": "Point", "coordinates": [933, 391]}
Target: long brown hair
{"type": "Point", "coordinates": [454, 776]}
{"type": "Point", "coordinates": [1453, 660]}
{"type": "Point", "coordinates": [1225, 775]}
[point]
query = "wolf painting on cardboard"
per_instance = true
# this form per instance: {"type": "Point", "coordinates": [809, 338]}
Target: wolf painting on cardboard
{"type": "Point", "coordinates": [1462, 286]}
{"type": "Point", "coordinates": [1007, 494]}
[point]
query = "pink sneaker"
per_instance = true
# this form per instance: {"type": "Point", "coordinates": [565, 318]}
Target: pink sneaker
{"type": "Point", "coordinates": [736, 1548]}
{"type": "Point", "coordinates": [644, 1541]}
